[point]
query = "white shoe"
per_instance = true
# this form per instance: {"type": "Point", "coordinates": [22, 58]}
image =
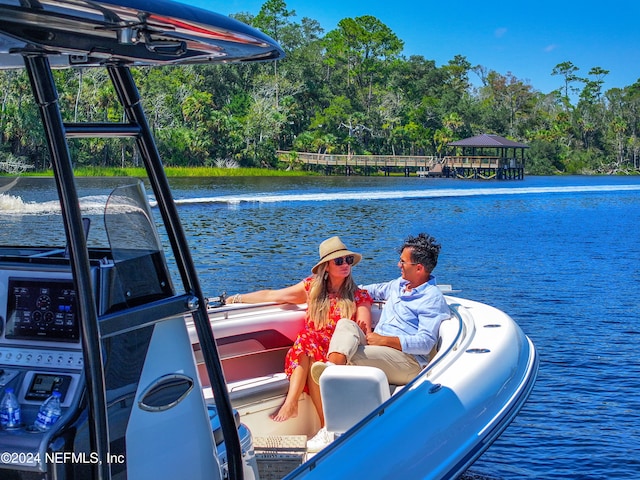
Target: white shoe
{"type": "Point", "coordinates": [320, 440]}
{"type": "Point", "coordinates": [317, 369]}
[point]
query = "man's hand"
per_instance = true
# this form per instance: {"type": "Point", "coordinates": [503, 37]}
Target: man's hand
{"type": "Point", "coordinates": [383, 341]}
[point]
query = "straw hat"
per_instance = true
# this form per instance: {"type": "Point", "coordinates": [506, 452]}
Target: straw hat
{"type": "Point", "coordinates": [334, 248]}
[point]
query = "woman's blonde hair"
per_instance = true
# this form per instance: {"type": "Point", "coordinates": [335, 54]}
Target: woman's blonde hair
{"type": "Point", "coordinates": [318, 298]}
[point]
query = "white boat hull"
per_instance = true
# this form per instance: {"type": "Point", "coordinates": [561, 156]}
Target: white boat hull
{"type": "Point", "coordinates": [434, 427]}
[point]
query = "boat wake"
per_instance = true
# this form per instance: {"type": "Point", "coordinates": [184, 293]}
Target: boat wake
{"type": "Point", "coordinates": [15, 205]}
{"type": "Point", "coordinates": [396, 194]}
{"type": "Point", "coordinates": [94, 205]}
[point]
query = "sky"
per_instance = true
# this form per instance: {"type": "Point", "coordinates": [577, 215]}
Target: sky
{"type": "Point", "coordinates": [524, 38]}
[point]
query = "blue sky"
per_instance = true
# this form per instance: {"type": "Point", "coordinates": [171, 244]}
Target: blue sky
{"type": "Point", "coordinates": [527, 39]}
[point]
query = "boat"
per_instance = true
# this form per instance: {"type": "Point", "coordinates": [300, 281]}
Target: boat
{"type": "Point", "coordinates": [473, 387]}
{"type": "Point", "coordinates": [158, 380]}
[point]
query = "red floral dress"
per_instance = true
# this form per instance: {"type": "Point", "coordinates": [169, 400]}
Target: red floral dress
{"type": "Point", "coordinates": [313, 342]}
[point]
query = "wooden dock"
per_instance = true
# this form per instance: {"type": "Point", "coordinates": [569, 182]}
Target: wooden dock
{"type": "Point", "coordinates": [468, 167]}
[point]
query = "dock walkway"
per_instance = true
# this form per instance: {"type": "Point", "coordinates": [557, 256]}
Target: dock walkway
{"type": "Point", "coordinates": [472, 167]}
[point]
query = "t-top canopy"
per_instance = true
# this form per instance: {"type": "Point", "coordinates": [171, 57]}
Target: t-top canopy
{"type": "Point", "coordinates": [134, 32]}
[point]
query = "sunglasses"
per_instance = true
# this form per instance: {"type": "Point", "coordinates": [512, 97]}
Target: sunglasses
{"type": "Point", "coordinates": [349, 259]}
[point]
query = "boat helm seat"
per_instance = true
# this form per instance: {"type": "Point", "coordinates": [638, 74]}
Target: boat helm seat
{"type": "Point", "coordinates": [349, 393]}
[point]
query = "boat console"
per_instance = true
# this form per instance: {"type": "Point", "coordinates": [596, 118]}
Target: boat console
{"type": "Point", "coordinates": [40, 351]}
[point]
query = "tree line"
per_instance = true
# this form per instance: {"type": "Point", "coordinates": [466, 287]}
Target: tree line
{"type": "Point", "coordinates": [349, 90]}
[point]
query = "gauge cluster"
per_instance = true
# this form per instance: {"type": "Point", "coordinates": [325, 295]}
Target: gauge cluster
{"type": "Point", "coordinates": [41, 310]}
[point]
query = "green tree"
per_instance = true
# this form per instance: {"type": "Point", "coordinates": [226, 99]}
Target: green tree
{"type": "Point", "coordinates": [274, 20]}
{"type": "Point", "coordinates": [508, 102]}
{"type": "Point", "coordinates": [347, 91]}
{"type": "Point", "coordinates": [568, 71]}
{"type": "Point", "coordinates": [364, 46]}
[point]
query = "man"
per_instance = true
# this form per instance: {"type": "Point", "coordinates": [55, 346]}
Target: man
{"type": "Point", "coordinates": [407, 332]}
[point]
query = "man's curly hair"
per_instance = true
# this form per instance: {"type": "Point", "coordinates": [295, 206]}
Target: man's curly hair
{"type": "Point", "coordinates": [424, 250]}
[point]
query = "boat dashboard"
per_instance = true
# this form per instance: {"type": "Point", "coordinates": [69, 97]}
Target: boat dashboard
{"type": "Point", "coordinates": [40, 347]}
{"type": "Point", "coordinates": [40, 334]}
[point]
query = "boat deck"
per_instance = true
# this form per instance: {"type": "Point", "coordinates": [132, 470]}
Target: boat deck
{"type": "Point", "coordinates": [277, 456]}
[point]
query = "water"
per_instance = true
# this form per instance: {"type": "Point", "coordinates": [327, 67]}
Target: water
{"type": "Point", "coordinates": [560, 255]}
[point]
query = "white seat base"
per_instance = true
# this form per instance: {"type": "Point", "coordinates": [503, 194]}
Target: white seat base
{"type": "Point", "coordinates": [349, 393]}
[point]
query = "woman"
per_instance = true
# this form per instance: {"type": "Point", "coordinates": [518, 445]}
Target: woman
{"type": "Point", "coordinates": [330, 294]}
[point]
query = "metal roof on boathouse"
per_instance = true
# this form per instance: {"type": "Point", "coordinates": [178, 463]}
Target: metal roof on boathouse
{"type": "Point", "coordinates": [487, 141]}
{"type": "Point", "coordinates": [485, 156]}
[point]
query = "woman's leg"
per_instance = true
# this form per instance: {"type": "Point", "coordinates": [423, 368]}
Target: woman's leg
{"type": "Point", "coordinates": [289, 408]}
{"type": "Point", "coordinates": [314, 393]}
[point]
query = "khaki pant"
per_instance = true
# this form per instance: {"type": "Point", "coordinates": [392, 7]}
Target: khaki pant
{"type": "Point", "coordinates": [349, 340]}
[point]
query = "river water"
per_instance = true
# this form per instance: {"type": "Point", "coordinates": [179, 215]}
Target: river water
{"type": "Point", "coordinates": [561, 255]}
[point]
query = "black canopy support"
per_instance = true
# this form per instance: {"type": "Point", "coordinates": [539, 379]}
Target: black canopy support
{"type": "Point", "coordinates": [46, 97]}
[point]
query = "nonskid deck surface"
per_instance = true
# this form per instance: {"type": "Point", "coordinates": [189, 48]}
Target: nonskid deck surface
{"type": "Point", "coordinates": [278, 455]}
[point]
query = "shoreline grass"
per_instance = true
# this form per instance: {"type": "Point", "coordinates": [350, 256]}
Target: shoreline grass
{"type": "Point", "coordinates": [176, 172]}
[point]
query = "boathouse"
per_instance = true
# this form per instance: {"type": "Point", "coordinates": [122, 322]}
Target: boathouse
{"type": "Point", "coordinates": [485, 156]}
{"type": "Point", "coordinates": [480, 157]}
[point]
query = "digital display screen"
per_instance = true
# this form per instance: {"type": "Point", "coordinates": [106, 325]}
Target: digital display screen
{"type": "Point", "coordinates": [42, 309]}
{"type": "Point", "coordinates": [44, 384]}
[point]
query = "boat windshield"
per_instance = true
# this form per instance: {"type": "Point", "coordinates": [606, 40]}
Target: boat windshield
{"type": "Point", "coordinates": [31, 216]}
{"type": "Point", "coordinates": [141, 272]}
{"type": "Point", "coordinates": [119, 227]}
{"type": "Point", "coordinates": [129, 224]}
{"type": "Point", "coordinates": [120, 222]}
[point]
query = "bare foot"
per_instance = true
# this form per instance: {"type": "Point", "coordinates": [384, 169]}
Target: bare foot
{"type": "Point", "coordinates": [285, 413]}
